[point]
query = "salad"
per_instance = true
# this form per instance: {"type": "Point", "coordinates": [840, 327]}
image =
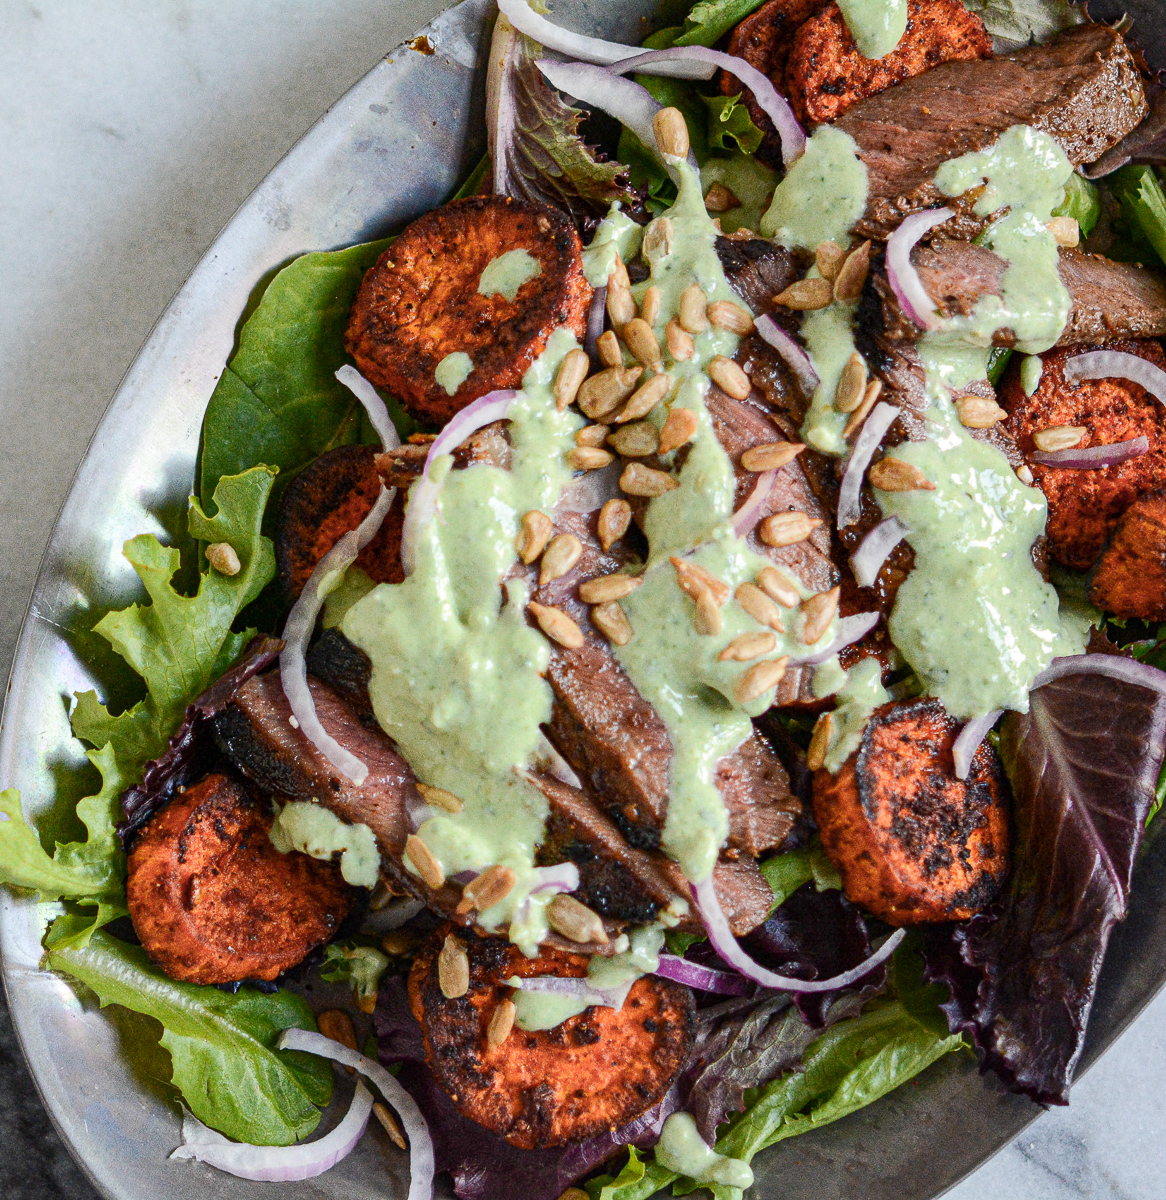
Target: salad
{"type": "Point", "coordinates": [674, 631]}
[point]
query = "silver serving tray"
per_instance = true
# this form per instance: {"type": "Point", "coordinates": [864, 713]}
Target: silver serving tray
{"type": "Point", "coordinates": [396, 145]}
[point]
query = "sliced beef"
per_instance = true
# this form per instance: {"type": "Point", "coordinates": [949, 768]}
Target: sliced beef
{"type": "Point", "coordinates": [1109, 299]}
{"type": "Point", "coordinates": [488, 446]}
{"type": "Point", "coordinates": [757, 269]}
{"type": "Point", "coordinates": [1083, 89]}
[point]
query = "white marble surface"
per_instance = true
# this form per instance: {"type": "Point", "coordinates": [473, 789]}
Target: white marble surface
{"type": "Point", "coordinates": [130, 130]}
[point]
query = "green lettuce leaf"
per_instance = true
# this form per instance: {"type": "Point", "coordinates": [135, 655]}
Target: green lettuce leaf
{"type": "Point", "coordinates": [221, 1046]}
{"type": "Point", "coordinates": [785, 873]}
{"type": "Point", "coordinates": [710, 20]}
{"type": "Point", "coordinates": [1082, 201]}
{"type": "Point", "coordinates": [278, 401]}
{"type": "Point", "coordinates": [1019, 22]}
{"type": "Point", "coordinates": [1143, 208]}
{"type": "Point", "coordinates": [729, 125]}
{"type": "Point", "coordinates": [361, 966]}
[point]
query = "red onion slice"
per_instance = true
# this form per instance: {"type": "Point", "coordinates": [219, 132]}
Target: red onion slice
{"type": "Point", "coordinates": [422, 506]}
{"type": "Point", "coordinates": [562, 877]}
{"type": "Point", "coordinates": [277, 1164]}
{"type": "Point", "coordinates": [703, 979]}
{"type": "Point", "coordinates": [630, 104]}
{"type": "Point", "coordinates": [1117, 364]}
{"type": "Point", "coordinates": [796, 358]}
{"type": "Point", "coordinates": [746, 517]}
{"type": "Point", "coordinates": [1117, 666]}
{"type": "Point", "coordinates": [579, 987]}
{"type": "Point", "coordinates": [378, 414]}
{"type": "Point", "coordinates": [850, 630]}
{"type": "Point", "coordinates": [901, 274]}
{"type": "Point", "coordinates": [771, 102]}
{"type": "Point", "coordinates": [874, 429]}
{"type": "Point", "coordinates": [727, 946]}
{"type": "Point", "coordinates": [1094, 458]}
{"type": "Point", "coordinates": [578, 45]}
{"type": "Point", "coordinates": [867, 561]}
{"type": "Point", "coordinates": [968, 742]}
{"type": "Point", "coordinates": [413, 1123]}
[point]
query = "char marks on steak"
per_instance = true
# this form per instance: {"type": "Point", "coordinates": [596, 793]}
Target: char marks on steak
{"type": "Point", "coordinates": [757, 269]}
{"type": "Point", "coordinates": [1083, 88]}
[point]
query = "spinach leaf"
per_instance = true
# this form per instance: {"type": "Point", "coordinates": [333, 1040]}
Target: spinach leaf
{"type": "Point", "coordinates": [710, 20]}
{"type": "Point", "coordinates": [222, 1046]}
{"type": "Point", "coordinates": [1143, 207]}
{"type": "Point", "coordinates": [278, 401]}
{"type": "Point", "coordinates": [1015, 23]}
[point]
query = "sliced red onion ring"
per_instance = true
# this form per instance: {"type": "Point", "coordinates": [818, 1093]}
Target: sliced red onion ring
{"type": "Point", "coordinates": [867, 561]}
{"type": "Point", "coordinates": [413, 1123]}
{"type": "Point", "coordinates": [968, 742]}
{"type": "Point", "coordinates": [850, 629]}
{"type": "Point", "coordinates": [746, 517]}
{"type": "Point", "coordinates": [422, 506]}
{"type": "Point", "coordinates": [630, 104]}
{"type": "Point", "coordinates": [703, 979]}
{"type": "Point", "coordinates": [874, 429]}
{"type": "Point", "coordinates": [301, 621]}
{"type": "Point", "coordinates": [771, 102]}
{"type": "Point", "coordinates": [579, 987]}
{"type": "Point", "coordinates": [727, 946]}
{"type": "Point", "coordinates": [595, 323]}
{"type": "Point", "coordinates": [1093, 458]}
{"type": "Point", "coordinates": [562, 877]}
{"type": "Point", "coordinates": [1117, 666]}
{"type": "Point", "coordinates": [1117, 364]}
{"type": "Point", "coordinates": [277, 1164]}
{"type": "Point", "coordinates": [901, 274]}
{"type": "Point", "coordinates": [577, 45]}
{"type": "Point", "coordinates": [561, 769]}
{"type": "Point", "coordinates": [796, 358]}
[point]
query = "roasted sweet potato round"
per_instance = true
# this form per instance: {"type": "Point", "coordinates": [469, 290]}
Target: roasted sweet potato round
{"type": "Point", "coordinates": [911, 842]}
{"type": "Point", "coordinates": [326, 499]}
{"type": "Point", "coordinates": [1129, 579]}
{"type": "Point", "coordinates": [213, 901]}
{"type": "Point", "coordinates": [590, 1074]}
{"type": "Point", "coordinates": [421, 302]}
{"type": "Point", "coordinates": [1084, 506]}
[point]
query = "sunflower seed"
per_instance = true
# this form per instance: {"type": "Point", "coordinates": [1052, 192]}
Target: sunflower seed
{"type": "Point", "coordinates": [729, 377]}
{"type": "Point", "coordinates": [608, 587]}
{"type": "Point", "coordinates": [671, 132]}
{"type": "Point", "coordinates": [559, 557]}
{"type": "Point", "coordinates": [820, 742]}
{"type": "Point", "coordinates": [778, 587]}
{"type": "Point", "coordinates": [719, 199]}
{"type": "Point", "coordinates": [619, 277]}
{"type": "Point", "coordinates": [501, 1023]}
{"type": "Point", "coordinates": [398, 942]}
{"type": "Point", "coordinates": [806, 295]}
{"type": "Point", "coordinates": [620, 305]}
{"type": "Point", "coordinates": [828, 257]}
{"type": "Point", "coordinates": [679, 428]}
{"type": "Point", "coordinates": [658, 238]}
{"type": "Point", "coordinates": [533, 534]}
{"type": "Point", "coordinates": [694, 579]}
{"type": "Point", "coordinates": [787, 529]}
{"type": "Point", "coordinates": [222, 557]}
{"type": "Point", "coordinates": [644, 399]}
{"type": "Point", "coordinates": [491, 887]}
{"type": "Point", "coordinates": [817, 613]}
{"type": "Point", "coordinates": [575, 921]}
{"type": "Point", "coordinates": [592, 435]}
{"type": "Point", "coordinates": [642, 342]}
{"type": "Point", "coordinates": [759, 679]}
{"type": "Point", "coordinates": [680, 343]}
{"type": "Point", "coordinates": [860, 414]}
{"type": "Point", "coordinates": [724, 314]}
{"type": "Point", "coordinates": [650, 305]}
{"type": "Point", "coordinates": [589, 458]}
{"type": "Point", "coordinates": [693, 309]}
{"type": "Point", "coordinates": [759, 606]}
{"type": "Point", "coordinates": [1024, 475]}
{"type": "Point", "coordinates": [426, 865]}
{"type": "Point", "coordinates": [572, 371]}
{"type": "Point", "coordinates": [1065, 231]}
{"type": "Point", "coordinates": [1059, 437]}
{"type": "Point", "coordinates": [440, 798]}
{"type": "Point", "coordinates": [337, 1025]}
{"type": "Point", "coordinates": [453, 968]}
{"type": "Point", "coordinates": [611, 620]}
{"type": "Point", "coordinates": [851, 384]}
{"type": "Point", "coordinates": [557, 625]}
{"type": "Point", "coordinates": [979, 412]}
{"type": "Point", "coordinates": [635, 440]}
{"type": "Point", "coordinates": [390, 1126]}
{"type": "Point", "coordinates": [852, 274]}
{"type": "Point", "coordinates": [707, 619]}
{"type": "Point", "coordinates": [748, 646]}
{"type": "Point", "coordinates": [614, 518]}
{"type": "Point", "coordinates": [770, 457]}
{"type": "Point", "coordinates": [895, 475]}
{"type": "Point", "coordinates": [638, 480]}
{"type": "Point", "coordinates": [604, 392]}
{"type": "Point", "coordinates": [609, 349]}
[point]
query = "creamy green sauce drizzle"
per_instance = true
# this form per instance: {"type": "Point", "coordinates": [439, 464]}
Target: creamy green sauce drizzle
{"type": "Point", "coordinates": [313, 829]}
{"type": "Point", "coordinates": [1031, 370]}
{"type": "Point", "coordinates": [683, 1150]}
{"type": "Point", "coordinates": [829, 336]}
{"type": "Point", "coordinates": [453, 371]}
{"type": "Point", "coordinates": [876, 25]}
{"type": "Point", "coordinates": [859, 695]}
{"type": "Point", "coordinates": [752, 182]}
{"type": "Point", "coordinates": [506, 273]}
{"type": "Point", "coordinates": [618, 235]}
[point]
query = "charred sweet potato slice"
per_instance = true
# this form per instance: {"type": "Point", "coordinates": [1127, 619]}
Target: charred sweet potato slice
{"type": "Point", "coordinates": [213, 901]}
{"type": "Point", "coordinates": [825, 73]}
{"type": "Point", "coordinates": [421, 302]}
{"type": "Point", "coordinates": [911, 842]}
{"type": "Point", "coordinates": [1130, 577]}
{"type": "Point", "coordinates": [326, 499]}
{"type": "Point", "coordinates": [1084, 506]}
{"type": "Point", "coordinates": [586, 1076]}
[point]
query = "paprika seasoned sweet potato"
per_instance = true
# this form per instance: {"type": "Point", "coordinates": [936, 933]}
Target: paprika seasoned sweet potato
{"type": "Point", "coordinates": [424, 301]}
{"type": "Point", "coordinates": [911, 842]}
{"type": "Point", "coordinates": [1129, 579]}
{"type": "Point", "coordinates": [213, 901]}
{"type": "Point", "coordinates": [590, 1074]}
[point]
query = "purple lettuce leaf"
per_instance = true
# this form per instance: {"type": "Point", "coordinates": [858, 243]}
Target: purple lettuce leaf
{"type": "Point", "coordinates": [191, 752]}
{"type": "Point", "coordinates": [1083, 764]}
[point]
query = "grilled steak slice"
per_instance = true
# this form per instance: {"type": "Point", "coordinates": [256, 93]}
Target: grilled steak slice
{"type": "Point", "coordinates": [1110, 300]}
{"type": "Point", "coordinates": [488, 445]}
{"type": "Point", "coordinates": [757, 270]}
{"type": "Point", "coordinates": [1083, 89]}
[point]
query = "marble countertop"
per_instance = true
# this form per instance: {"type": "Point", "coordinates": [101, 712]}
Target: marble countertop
{"type": "Point", "coordinates": [129, 134]}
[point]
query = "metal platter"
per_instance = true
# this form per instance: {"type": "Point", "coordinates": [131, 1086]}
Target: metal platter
{"type": "Point", "coordinates": [392, 148]}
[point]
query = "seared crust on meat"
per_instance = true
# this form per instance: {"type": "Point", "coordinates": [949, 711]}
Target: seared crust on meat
{"type": "Point", "coordinates": [590, 1074]}
{"type": "Point", "coordinates": [326, 499]}
{"type": "Point", "coordinates": [1130, 577]}
{"type": "Point", "coordinates": [213, 901]}
{"type": "Point", "coordinates": [911, 842]}
{"type": "Point", "coordinates": [825, 73]}
{"type": "Point", "coordinates": [1084, 506]}
{"type": "Point", "coordinates": [421, 303]}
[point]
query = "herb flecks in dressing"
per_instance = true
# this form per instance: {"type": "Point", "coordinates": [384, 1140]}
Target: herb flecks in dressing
{"type": "Point", "coordinates": [465, 701]}
{"type": "Point", "coordinates": [683, 1150]}
{"type": "Point", "coordinates": [877, 26]}
{"type": "Point", "coordinates": [313, 829]}
{"type": "Point", "coordinates": [504, 275]}
{"type": "Point", "coordinates": [453, 371]}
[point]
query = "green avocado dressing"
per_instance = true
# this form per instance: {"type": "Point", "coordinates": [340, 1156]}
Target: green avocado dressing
{"type": "Point", "coordinates": [453, 370]}
{"type": "Point", "coordinates": [829, 336]}
{"type": "Point", "coordinates": [876, 25]}
{"type": "Point", "coordinates": [618, 235]}
{"type": "Point", "coordinates": [858, 694]}
{"type": "Point", "coordinates": [313, 829]}
{"type": "Point", "coordinates": [506, 273]}
{"type": "Point", "coordinates": [683, 1150]}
